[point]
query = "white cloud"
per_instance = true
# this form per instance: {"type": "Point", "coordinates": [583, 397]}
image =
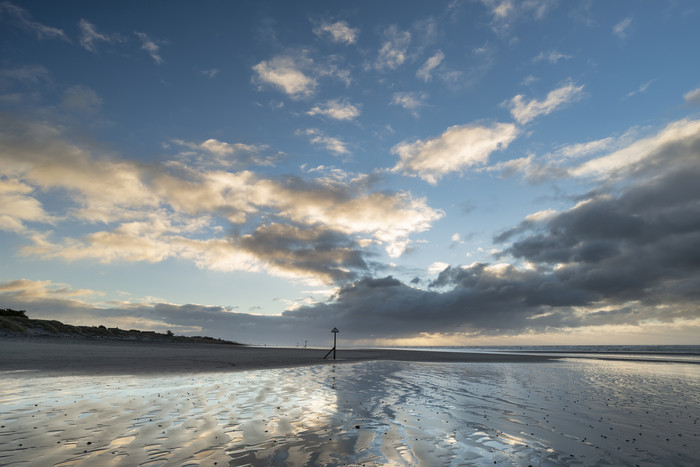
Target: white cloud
{"type": "Point", "coordinates": [89, 36]}
{"type": "Point", "coordinates": [31, 290]}
{"type": "Point", "coordinates": [525, 111]}
{"type": "Point", "coordinates": [150, 46]}
{"type": "Point", "coordinates": [692, 97]}
{"type": "Point", "coordinates": [620, 29]}
{"type": "Point", "coordinates": [680, 133]}
{"type": "Point", "coordinates": [336, 109]}
{"type": "Point", "coordinates": [332, 144]}
{"type": "Point", "coordinates": [425, 72]}
{"type": "Point", "coordinates": [215, 153]}
{"type": "Point", "coordinates": [392, 54]}
{"type": "Point", "coordinates": [437, 267]}
{"type": "Point", "coordinates": [286, 73]}
{"type": "Point", "coordinates": [584, 149]}
{"type": "Point", "coordinates": [17, 206]}
{"type": "Point", "coordinates": [459, 147]}
{"type": "Point", "coordinates": [553, 56]}
{"type": "Point", "coordinates": [24, 19]}
{"type": "Point", "coordinates": [339, 31]}
{"type": "Point", "coordinates": [411, 101]}
{"type": "Point", "coordinates": [505, 13]}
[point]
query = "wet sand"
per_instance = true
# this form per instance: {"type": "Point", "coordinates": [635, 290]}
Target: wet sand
{"type": "Point", "coordinates": [123, 404]}
{"type": "Point", "coordinates": [81, 357]}
{"type": "Point", "coordinates": [364, 413]}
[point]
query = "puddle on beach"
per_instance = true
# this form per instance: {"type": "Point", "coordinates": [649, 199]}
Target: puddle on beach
{"type": "Point", "coordinates": [372, 413]}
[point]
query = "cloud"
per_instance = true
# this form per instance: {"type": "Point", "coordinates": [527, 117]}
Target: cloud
{"type": "Point", "coordinates": [211, 73]}
{"type": "Point", "coordinates": [525, 112]}
{"type": "Point", "coordinates": [17, 206]}
{"type": "Point", "coordinates": [411, 101]}
{"type": "Point", "coordinates": [505, 13]}
{"type": "Point", "coordinates": [213, 153]}
{"type": "Point", "coordinates": [150, 46]}
{"type": "Point", "coordinates": [620, 29]}
{"type": "Point", "coordinates": [331, 143]}
{"type": "Point", "coordinates": [642, 88]}
{"type": "Point", "coordinates": [553, 56]}
{"type": "Point", "coordinates": [336, 109]}
{"type": "Point", "coordinates": [82, 99]}
{"type": "Point", "coordinates": [24, 19]}
{"type": "Point", "coordinates": [393, 52]}
{"type": "Point", "coordinates": [459, 147]}
{"type": "Point", "coordinates": [89, 37]}
{"type": "Point", "coordinates": [286, 74]}
{"type": "Point", "coordinates": [339, 32]}
{"type": "Point", "coordinates": [645, 152]}
{"type": "Point", "coordinates": [25, 75]}
{"type": "Point", "coordinates": [138, 212]}
{"type": "Point", "coordinates": [323, 253]}
{"type": "Point", "coordinates": [692, 97]}
{"type": "Point", "coordinates": [425, 72]}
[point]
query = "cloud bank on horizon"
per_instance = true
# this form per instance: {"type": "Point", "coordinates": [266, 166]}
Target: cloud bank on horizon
{"type": "Point", "coordinates": [446, 174]}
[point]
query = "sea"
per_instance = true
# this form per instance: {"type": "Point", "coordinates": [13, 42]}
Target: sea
{"type": "Point", "coordinates": [653, 353]}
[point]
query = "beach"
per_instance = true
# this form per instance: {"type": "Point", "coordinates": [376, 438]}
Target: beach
{"type": "Point", "coordinates": [106, 403]}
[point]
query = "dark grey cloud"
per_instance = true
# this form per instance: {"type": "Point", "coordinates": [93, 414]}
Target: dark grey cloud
{"type": "Point", "coordinates": [318, 252]}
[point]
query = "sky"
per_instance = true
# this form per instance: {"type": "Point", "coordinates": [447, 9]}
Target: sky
{"type": "Point", "coordinates": [413, 173]}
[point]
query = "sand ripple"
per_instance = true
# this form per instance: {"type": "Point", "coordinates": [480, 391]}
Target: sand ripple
{"type": "Point", "coordinates": [372, 413]}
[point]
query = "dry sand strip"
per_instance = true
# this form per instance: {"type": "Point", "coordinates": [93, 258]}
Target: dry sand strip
{"type": "Point", "coordinates": [117, 357]}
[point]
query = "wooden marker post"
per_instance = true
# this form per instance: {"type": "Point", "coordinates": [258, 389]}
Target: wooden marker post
{"type": "Point", "coordinates": [335, 333]}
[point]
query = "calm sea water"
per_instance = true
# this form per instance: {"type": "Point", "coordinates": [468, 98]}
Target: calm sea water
{"type": "Point", "coordinates": [661, 353]}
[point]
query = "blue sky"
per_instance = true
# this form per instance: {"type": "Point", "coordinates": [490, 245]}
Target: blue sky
{"type": "Point", "coordinates": [462, 172]}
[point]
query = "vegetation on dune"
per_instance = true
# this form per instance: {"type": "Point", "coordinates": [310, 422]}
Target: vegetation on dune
{"type": "Point", "coordinates": [16, 323]}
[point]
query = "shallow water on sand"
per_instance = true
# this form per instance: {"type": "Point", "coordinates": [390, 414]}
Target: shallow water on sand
{"type": "Point", "coordinates": [571, 412]}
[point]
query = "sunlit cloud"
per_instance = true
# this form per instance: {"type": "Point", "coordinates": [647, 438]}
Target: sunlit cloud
{"type": "Point", "coordinates": [553, 56]}
{"type": "Point", "coordinates": [425, 72]}
{"type": "Point", "coordinates": [336, 109]}
{"type": "Point", "coordinates": [286, 73]}
{"type": "Point", "coordinates": [525, 111]}
{"type": "Point", "coordinates": [330, 143]}
{"type": "Point", "coordinates": [683, 133]}
{"type": "Point", "coordinates": [411, 101]}
{"type": "Point", "coordinates": [339, 32]}
{"type": "Point", "coordinates": [393, 52]}
{"type": "Point", "coordinates": [458, 148]}
{"type": "Point", "coordinates": [18, 206]}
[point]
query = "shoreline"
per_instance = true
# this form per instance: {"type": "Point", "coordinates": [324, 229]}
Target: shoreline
{"type": "Point", "coordinates": [81, 357]}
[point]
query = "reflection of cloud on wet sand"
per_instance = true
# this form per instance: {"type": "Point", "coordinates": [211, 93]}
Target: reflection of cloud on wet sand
{"type": "Point", "coordinates": [379, 413]}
